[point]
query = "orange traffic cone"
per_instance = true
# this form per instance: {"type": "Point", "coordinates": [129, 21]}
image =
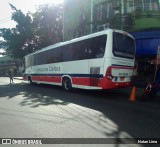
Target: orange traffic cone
{"type": "Point", "coordinates": [132, 97]}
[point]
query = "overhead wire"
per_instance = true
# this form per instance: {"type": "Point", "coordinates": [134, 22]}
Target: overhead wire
{"type": "Point", "coordinates": [4, 20]}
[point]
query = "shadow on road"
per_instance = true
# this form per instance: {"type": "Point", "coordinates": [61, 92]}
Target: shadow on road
{"type": "Point", "coordinates": [116, 115]}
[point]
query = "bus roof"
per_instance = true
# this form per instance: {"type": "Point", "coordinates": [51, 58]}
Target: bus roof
{"type": "Point", "coordinates": [74, 40]}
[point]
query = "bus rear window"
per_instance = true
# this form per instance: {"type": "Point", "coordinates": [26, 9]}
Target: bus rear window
{"type": "Point", "coordinates": [123, 46]}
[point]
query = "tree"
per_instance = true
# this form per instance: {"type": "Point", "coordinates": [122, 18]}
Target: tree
{"type": "Point", "coordinates": [48, 24]}
{"type": "Point", "coordinates": [33, 31]}
{"type": "Point", "coordinates": [17, 41]}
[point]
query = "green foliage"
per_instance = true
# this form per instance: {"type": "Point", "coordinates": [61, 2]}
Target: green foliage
{"type": "Point", "coordinates": [33, 31]}
{"type": "Point", "coordinates": [48, 24]}
{"type": "Point", "coordinates": [146, 23]}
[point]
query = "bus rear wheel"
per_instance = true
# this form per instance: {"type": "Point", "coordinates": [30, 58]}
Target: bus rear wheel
{"type": "Point", "coordinates": [67, 84]}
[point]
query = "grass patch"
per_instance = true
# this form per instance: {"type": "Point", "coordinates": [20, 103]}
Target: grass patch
{"type": "Point", "coordinates": [146, 23]}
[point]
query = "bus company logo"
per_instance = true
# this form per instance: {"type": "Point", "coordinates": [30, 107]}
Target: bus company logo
{"type": "Point", "coordinates": [6, 141]}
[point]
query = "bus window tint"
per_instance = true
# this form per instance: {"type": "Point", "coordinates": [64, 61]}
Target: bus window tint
{"type": "Point", "coordinates": [123, 46]}
{"type": "Point", "coordinates": [67, 53]}
{"type": "Point", "coordinates": [76, 51]}
{"type": "Point", "coordinates": [85, 49]}
{"type": "Point", "coordinates": [53, 55]}
{"type": "Point", "coordinates": [29, 61]}
{"type": "Point", "coordinates": [98, 46]}
{"type": "Point", "coordinates": [92, 48]}
{"type": "Point", "coordinates": [40, 58]}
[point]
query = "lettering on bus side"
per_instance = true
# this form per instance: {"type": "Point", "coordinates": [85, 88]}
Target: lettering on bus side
{"type": "Point", "coordinates": [46, 69]}
{"type": "Point", "coordinates": [52, 68]}
{"type": "Point", "coordinates": [42, 69]}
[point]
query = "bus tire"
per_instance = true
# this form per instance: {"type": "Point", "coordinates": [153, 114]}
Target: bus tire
{"type": "Point", "coordinates": [66, 83]}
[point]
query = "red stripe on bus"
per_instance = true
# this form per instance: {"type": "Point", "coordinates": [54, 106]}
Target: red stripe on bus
{"type": "Point", "coordinates": [56, 79]}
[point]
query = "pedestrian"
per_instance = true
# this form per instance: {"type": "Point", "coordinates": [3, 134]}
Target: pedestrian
{"type": "Point", "coordinates": [10, 76]}
{"type": "Point", "coordinates": [152, 87]}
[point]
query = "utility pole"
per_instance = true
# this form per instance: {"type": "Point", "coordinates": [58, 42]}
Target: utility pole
{"type": "Point", "coordinates": [91, 16]}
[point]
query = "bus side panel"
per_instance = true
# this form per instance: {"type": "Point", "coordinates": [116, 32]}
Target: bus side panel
{"type": "Point", "coordinates": [75, 67]}
{"type": "Point", "coordinates": [78, 71]}
{"type": "Point", "coordinates": [96, 72]}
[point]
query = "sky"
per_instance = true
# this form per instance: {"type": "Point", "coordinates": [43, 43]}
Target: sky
{"type": "Point", "coordinates": [24, 5]}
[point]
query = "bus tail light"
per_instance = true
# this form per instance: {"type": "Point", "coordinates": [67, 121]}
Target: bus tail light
{"type": "Point", "coordinates": [108, 73]}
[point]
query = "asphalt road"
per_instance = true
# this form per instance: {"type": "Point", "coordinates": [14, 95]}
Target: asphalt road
{"type": "Point", "coordinates": [43, 111]}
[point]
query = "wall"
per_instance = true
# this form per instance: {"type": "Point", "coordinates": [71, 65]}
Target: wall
{"type": "Point", "coordinates": [77, 15]}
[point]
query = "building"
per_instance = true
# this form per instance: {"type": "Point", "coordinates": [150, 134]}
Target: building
{"type": "Point", "coordinates": [82, 17]}
{"type": "Point", "coordinates": [9, 64]}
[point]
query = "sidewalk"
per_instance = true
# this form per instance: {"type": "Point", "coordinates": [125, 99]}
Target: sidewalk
{"type": "Point", "coordinates": [18, 78]}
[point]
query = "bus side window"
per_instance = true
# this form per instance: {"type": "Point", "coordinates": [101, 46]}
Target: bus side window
{"type": "Point", "coordinates": [100, 53]}
{"type": "Point", "coordinates": [66, 53]}
{"type": "Point", "coordinates": [102, 46]}
{"type": "Point", "coordinates": [30, 61]}
{"type": "Point", "coordinates": [57, 54]}
{"type": "Point", "coordinates": [87, 50]}
{"type": "Point", "coordinates": [99, 44]}
{"type": "Point", "coordinates": [94, 47]}
{"type": "Point", "coordinates": [75, 51]}
{"type": "Point", "coordinates": [81, 50]}
{"type": "Point", "coordinates": [49, 57]}
{"type": "Point", "coordinates": [70, 48]}
{"type": "Point", "coordinates": [52, 56]}
{"type": "Point", "coordinates": [43, 57]}
{"type": "Point", "coordinates": [60, 55]}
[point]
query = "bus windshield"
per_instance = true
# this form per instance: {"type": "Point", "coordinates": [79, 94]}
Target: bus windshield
{"type": "Point", "coordinates": [123, 46]}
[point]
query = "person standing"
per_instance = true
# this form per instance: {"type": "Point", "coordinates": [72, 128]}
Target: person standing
{"type": "Point", "coordinates": [11, 77]}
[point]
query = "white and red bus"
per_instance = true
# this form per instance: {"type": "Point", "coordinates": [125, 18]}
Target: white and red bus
{"type": "Point", "coordinates": [102, 60]}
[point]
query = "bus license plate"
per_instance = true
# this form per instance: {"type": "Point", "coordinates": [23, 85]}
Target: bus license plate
{"type": "Point", "coordinates": [122, 78]}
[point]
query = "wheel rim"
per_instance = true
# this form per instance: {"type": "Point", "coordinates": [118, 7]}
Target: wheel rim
{"type": "Point", "coordinates": [66, 84]}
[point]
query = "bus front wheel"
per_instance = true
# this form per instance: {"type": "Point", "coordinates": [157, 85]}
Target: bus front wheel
{"type": "Point", "coordinates": [67, 84]}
